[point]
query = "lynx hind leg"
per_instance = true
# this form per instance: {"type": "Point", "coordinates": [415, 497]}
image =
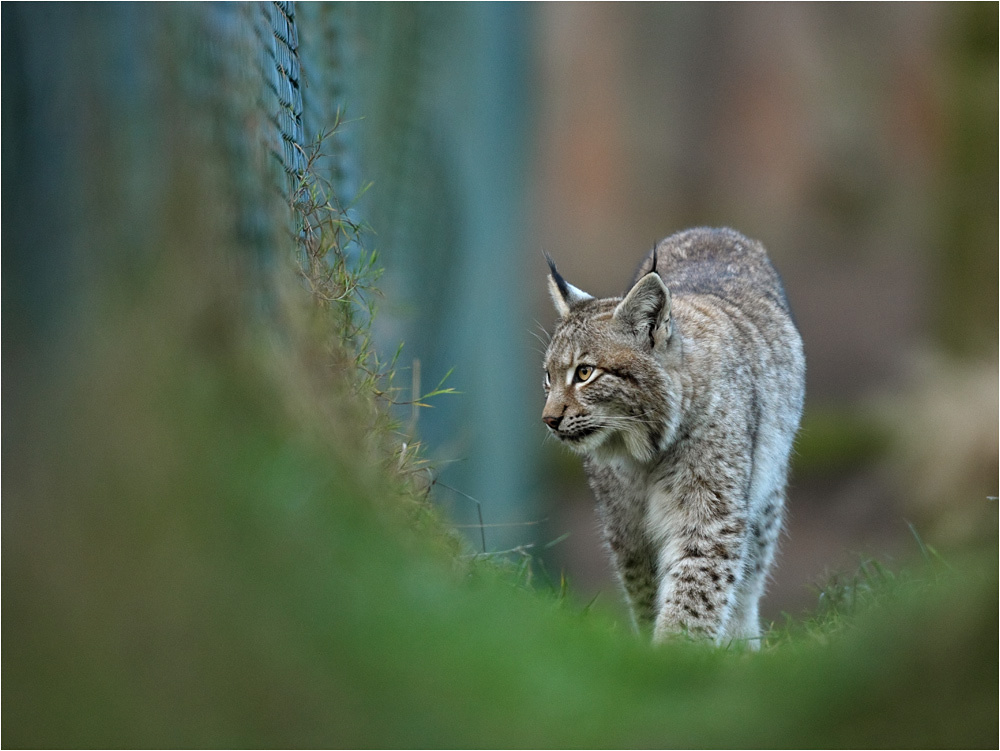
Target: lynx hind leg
{"type": "Point", "coordinates": [743, 627]}
{"type": "Point", "coordinates": [744, 624]}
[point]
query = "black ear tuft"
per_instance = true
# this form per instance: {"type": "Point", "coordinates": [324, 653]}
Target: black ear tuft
{"type": "Point", "coordinates": [564, 295]}
{"type": "Point", "coordinates": [557, 277]}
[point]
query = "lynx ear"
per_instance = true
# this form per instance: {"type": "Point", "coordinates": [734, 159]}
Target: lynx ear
{"type": "Point", "coordinates": [564, 295]}
{"type": "Point", "coordinates": [646, 310]}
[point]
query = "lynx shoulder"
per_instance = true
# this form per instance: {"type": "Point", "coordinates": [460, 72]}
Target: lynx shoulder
{"type": "Point", "coordinates": [683, 398]}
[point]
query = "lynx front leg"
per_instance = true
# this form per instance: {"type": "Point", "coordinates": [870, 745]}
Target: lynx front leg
{"type": "Point", "coordinates": [636, 568]}
{"type": "Point", "coordinates": [701, 569]}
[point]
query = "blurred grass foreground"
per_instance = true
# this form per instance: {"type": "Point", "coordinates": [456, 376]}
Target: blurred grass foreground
{"type": "Point", "coordinates": [209, 538]}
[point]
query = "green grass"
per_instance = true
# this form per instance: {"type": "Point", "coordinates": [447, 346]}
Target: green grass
{"type": "Point", "coordinates": [211, 538]}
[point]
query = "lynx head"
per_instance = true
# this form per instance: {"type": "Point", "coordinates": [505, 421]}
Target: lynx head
{"type": "Point", "coordinates": [607, 381]}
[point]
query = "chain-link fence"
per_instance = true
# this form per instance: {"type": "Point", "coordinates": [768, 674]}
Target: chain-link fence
{"type": "Point", "coordinates": [102, 103]}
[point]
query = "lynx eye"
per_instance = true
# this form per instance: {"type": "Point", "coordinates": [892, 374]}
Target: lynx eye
{"type": "Point", "coordinates": [547, 381]}
{"type": "Point", "coordinates": [584, 373]}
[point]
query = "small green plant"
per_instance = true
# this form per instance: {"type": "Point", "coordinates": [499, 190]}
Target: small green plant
{"type": "Point", "coordinates": [336, 266]}
{"type": "Point", "coordinates": [340, 271]}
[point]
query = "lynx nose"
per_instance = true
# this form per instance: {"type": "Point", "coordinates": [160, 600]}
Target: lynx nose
{"type": "Point", "coordinates": [552, 421]}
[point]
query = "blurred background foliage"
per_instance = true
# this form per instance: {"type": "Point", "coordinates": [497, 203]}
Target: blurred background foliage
{"type": "Point", "coordinates": [212, 535]}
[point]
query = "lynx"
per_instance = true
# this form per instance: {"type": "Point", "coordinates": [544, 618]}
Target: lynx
{"type": "Point", "coordinates": [683, 397]}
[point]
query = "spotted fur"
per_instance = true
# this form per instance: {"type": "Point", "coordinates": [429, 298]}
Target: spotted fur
{"type": "Point", "coordinates": [683, 397]}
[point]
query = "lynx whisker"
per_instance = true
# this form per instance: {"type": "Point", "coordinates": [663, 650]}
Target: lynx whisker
{"type": "Point", "coordinates": [541, 341]}
{"type": "Point", "coordinates": [623, 422]}
{"type": "Point", "coordinates": [545, 332]}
